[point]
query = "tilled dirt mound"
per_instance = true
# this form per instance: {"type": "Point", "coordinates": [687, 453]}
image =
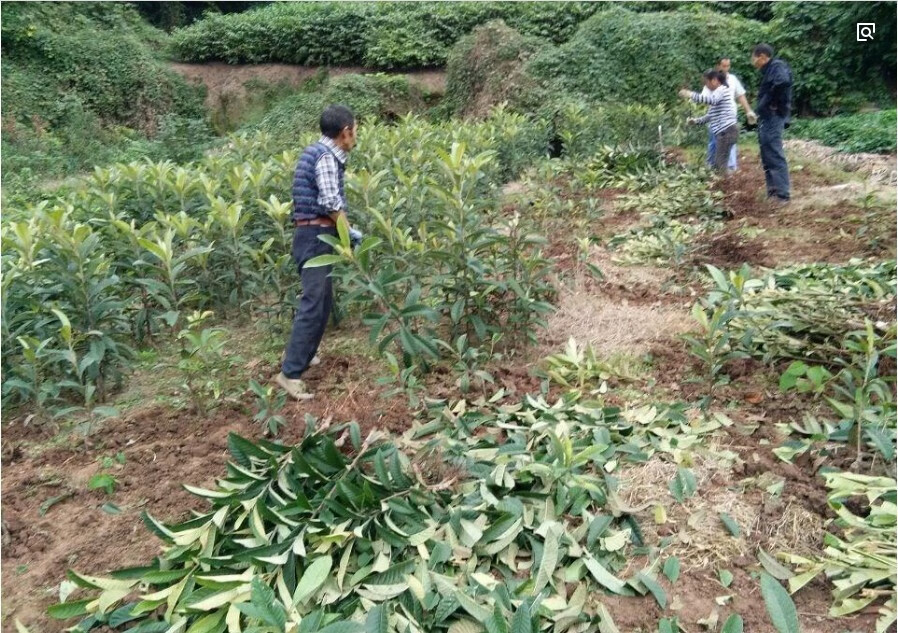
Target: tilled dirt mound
{"type": "Point", "coordinates": [824, 222]}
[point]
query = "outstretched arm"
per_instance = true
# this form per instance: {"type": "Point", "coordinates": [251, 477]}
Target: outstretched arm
{"type": "Point", "coordinates": [710, 99]}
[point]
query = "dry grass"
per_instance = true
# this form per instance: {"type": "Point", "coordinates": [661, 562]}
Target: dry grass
{"type": "Point", "coordinates": [698, 537]}
{"type": "Point", "coordinates": [849, 192]}
{"type": "Point", "coordinates": [651, 278]}
{"type": "Point", "coordinates": [798, 531]}
{"type": "Point", "coordinates": [875, 167]}
{"type": "Point", "coordinates": [611, 326]}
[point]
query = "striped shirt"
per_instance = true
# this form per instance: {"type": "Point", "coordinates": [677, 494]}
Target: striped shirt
{"type": "Point", "coordinates": [722, 113]}
{"type": "Point", "coordinates": [733, 82]}
{"type": "Point", "coordinates": [328, 178]}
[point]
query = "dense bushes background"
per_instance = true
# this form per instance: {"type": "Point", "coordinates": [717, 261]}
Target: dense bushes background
{"type": "Point", "coordinates": [100, 55]}
{"type": "Point", "coordinates": [379, 35]}
{"type": "Point", "coordinates": [608, 58]}
{"type": "Point", "coordinates": [82, 84]}
{"type": "Point", "coordinates": [374, 96]}
{"type": "Point", "coordinates": [488, 67]}
{"type": "Point", "coordinates": [833, 71]}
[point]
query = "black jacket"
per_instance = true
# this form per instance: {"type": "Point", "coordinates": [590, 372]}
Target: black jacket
{"type": "Point", "coordinates": [775, 91]}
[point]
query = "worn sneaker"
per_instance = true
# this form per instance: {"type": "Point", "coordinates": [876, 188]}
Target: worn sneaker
{"type": "Point", "coordinates": [315, 361]}
{"type": "Point", "coordinates": [294, 387]}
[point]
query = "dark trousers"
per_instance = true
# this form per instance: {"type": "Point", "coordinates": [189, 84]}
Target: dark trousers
{"type": "Point", "coordinates": [773, 158]}
{"type": "Point", "coordinates": [316, 301]}
{"type": "Point", "coordinates": [723, 143]}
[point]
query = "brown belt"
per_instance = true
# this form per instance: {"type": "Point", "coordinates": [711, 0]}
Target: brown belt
{"type": "Point", "coordinates": [315, 222]}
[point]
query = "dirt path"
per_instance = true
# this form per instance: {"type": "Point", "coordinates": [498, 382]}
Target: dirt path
{"type": "Point", "coordinates": [639, 311]}
{"type": "Point", "coordinates": [834, 216]}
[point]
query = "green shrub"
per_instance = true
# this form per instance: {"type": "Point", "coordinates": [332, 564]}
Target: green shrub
{"type": "Point", "coordinates": [554, 21]}
{"type": "Point", "coordinates": [418, 36]}
{"type": "Point", "coordinates": [487, 67]}
{"type": "Point", "coordinates": [379, 35]}
{"type": "Point", "coordinates": [607, 59]}
{"type": "Point", "coordinates": [370, 96]}
{"type": "Point", "coordinates": [583, 127]}
{"type": "Point", "coordinates": [867, 132]}
{"type": "Point", "coordinates": [82, 85]}
{"type": "Point", "coordinates": [154, 241]}
{"type": "Point", "coordinates": [833, 72]}
{"type": "Point", "coordinates": [100, 53]}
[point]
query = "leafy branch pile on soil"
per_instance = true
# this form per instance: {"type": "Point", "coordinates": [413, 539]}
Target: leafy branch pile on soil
{"type": "Point", "coordinates": [861, 564]}
{"type": "Point", "coordinates": [510, 513]}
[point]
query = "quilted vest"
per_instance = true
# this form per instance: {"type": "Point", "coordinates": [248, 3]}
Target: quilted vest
{"type": "Point", "coordinates": [305, 185]}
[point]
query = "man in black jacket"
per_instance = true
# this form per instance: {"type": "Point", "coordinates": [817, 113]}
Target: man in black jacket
{"type": "Point", "coordinates": [774, 108]}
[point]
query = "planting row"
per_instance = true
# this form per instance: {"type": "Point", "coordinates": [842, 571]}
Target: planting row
{"type": "Point", "coordinates": [125, 256]}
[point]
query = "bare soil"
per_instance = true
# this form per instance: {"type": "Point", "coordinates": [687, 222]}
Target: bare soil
{"type": "Point", "coordinates": [163, 448]}
{"type": "Point", "coordinates": [824, 222]}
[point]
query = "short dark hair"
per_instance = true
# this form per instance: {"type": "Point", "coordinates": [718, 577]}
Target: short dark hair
{"type": "Point", "coordinates": [334, 119]}
{"type": "Point", "coordinates": [763, 49]}
{"type": "Point", "coordinates": [713, 73]}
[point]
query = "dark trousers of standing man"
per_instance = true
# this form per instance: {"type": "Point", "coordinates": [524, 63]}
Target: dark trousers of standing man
{"type": "Point", "coordinates": [773, 158]}
{"type": "Point", "coordinates": [316, 302]}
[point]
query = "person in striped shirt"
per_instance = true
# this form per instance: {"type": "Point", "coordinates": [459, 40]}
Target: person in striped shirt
{"type": "Point", "coordinates": [721, 115]}
{"type": "Point", "coordinates": [739, 95]}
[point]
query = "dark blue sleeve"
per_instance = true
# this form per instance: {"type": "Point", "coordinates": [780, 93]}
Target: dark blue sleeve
{"type": "Point", "coordinates": [763, 97]}
{"type": "Point", "coordinates": [781, 78]}
{"type": "Point", "coordinates": [780, 88]}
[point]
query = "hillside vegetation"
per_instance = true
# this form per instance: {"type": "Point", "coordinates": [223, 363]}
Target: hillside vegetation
{"type": "Point", "coordinates": [864, 132]}
{"type": "Point", "coordinates": [378, 35]}
{"type": "Point", "coordinates": [607, 59]}
{"type": "Point", "coordinates": [83, 83]}
{"type": "Point", "coordinates": [607, 53]}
